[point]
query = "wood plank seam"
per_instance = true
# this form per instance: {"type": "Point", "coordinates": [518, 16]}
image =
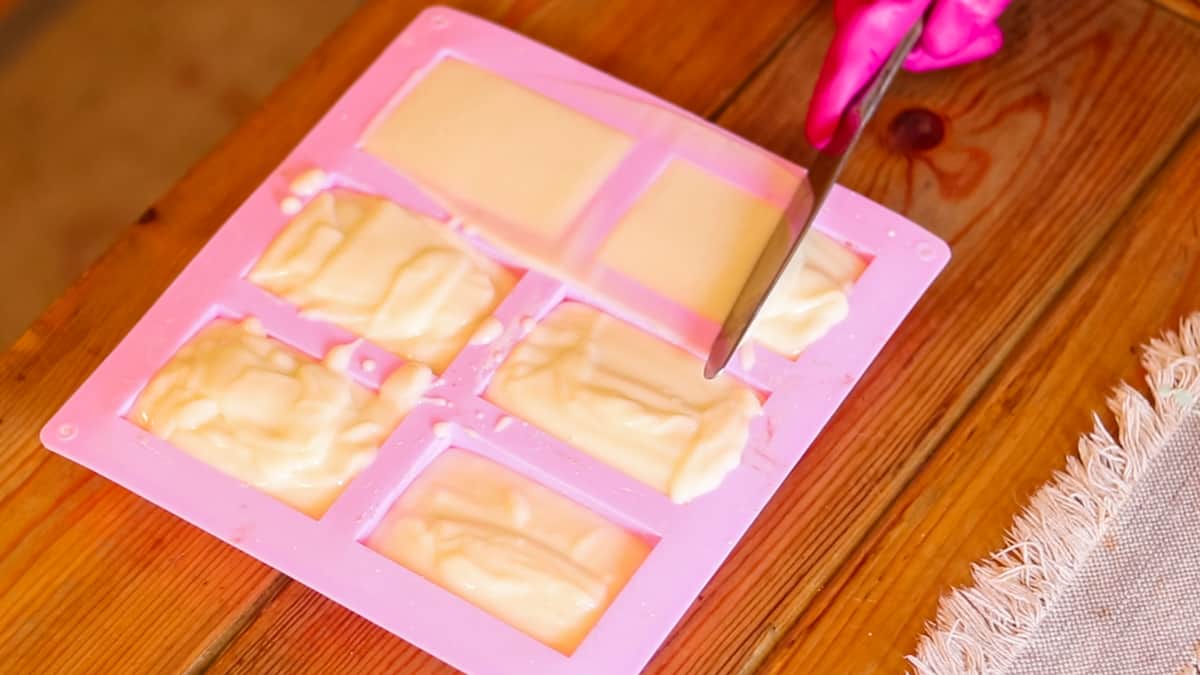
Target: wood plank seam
{"type": "Point", "coordinates": [1012, 346]}
{"type": "Point", "coordinates": [222, 640]}
{"type": "Point", "coordinates": [1187, 11]}
{"type": "Point", "coordinates": [1084, 341]}
{"type": "Point", "coordinates": [773, 53]}
{"type": "Point", "coordinates": [772, 631]}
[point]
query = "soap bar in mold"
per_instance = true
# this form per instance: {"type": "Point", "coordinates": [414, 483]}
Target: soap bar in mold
{"type": "Point", "coordinates": [530, 556]}
{"type": "Point", "coordinates": [398, 278]}
{"type": "Point", "coordinates": [519, 168]}
{"type": "Point", "coordinates": [469, 134]}
{"type": "Point", "coordinates": [270, 416]}
{"type": "Point", "coordinates": [628, 399]}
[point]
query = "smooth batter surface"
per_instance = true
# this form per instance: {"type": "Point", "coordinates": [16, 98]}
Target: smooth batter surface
{"type": "Point", "coordinates": [529, 556]}
{"type": "Point", "coordinates": [478, 138]}
{"type": "Point", "coordinates": [628, 399]}
{"type": "Point", "coordinates": [404, 281]}
{"type": "Point", "coordinates": [271, 416]}
{"type": "Point", "coordinates": [693, 238]}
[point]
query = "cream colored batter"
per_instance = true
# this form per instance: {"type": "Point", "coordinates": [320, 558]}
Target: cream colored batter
{"type": "Point", "coordinates": [399, 279]}
{"type": "Point", "coordinates": [290, 205]}
{"type": "Point", "coordinates": [811, 298]}
{"type": "Point", "coordinates": [478, 138]}
{"type": "Point", "coordinates": [529, 556]}
{"type": "Point", "coordinates": [693, 238]}
{"type": "Point", "coordinates": [628, 399]}
{"type": "Point", "coordinates": [309, 182]}
{"type": "Point", "coordinates": [270, 416]}
{"type": "Point", "coordinates": [488, 331]}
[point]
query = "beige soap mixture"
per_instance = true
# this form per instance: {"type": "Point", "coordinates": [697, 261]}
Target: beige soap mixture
{"type": "Point", "coordinates": [628, 399]}
{"type": "Point", "coordinates": [400, 279]}
{"type": "Point", "coordinates": [471, 136]}
{"type": "Point", "coordinates": [269, 415]}
{"type": "Point", "coordinates": [714, 232]}
{"type": "Point", "coordinates": [300, 430]}
{"type": "Point", "coordinates": [527, 555]}
{"type": "Point", "coordinates": [712, 229]}
{"type": "Point", "coordinates": [812, 297]}
{"type": "Point", "coordinates": [493, 149]}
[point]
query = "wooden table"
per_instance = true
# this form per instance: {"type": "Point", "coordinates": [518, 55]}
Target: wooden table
{"type": "Point", "coordinates": [1064, 173]}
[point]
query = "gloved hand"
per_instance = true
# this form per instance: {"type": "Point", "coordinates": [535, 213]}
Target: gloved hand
{"type": "Point", "coordinates": [956, 32]}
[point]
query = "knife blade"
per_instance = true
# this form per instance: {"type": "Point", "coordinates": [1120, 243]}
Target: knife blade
{"type": "Point", "coordinates": [802, 209]}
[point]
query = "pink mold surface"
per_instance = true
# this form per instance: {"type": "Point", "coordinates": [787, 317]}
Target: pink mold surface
{"type": "Point", "coordinates": [326, 554]}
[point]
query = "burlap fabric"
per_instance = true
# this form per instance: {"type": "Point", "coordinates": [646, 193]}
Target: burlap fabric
{"type": "Point", "coordinates": [1102, 571]}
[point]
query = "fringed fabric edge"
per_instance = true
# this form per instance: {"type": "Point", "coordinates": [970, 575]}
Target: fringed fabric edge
{"type": "Point", "coordinates": [982, 628]}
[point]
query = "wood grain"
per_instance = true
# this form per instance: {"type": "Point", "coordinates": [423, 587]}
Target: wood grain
{"type": "Point", "coordinates": [1144, 279]}
{"type": "Point", "coordinates": [1043, 148]}
{"type": "Point", "coordinates": [1186, 8]}
{"type": "Point", "coordinates": [1042, 151]}
{"type": "Point", "coordinates": [92, 577]}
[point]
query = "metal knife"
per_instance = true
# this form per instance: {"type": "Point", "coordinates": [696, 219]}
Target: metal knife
{"type": "Point", "coordinates": [802, 209]}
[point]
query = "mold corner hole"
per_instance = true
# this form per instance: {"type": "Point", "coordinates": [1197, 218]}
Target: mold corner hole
{"type": "Point", "coordinates": [67, 431]}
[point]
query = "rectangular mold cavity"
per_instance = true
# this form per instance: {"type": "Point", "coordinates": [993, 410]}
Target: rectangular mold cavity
{"type": "Point", "coordinates": [232, 384]}
{"type": "Point", "coordinates": [629, 398]}
{"type": "Point", "coordinates": [690, 540]}
{"type": "Point", "coordinates": [388, 274]}
{"type": "Point", "coordinates": [714, 228]}
{"type": "Point", "coordinates": [475, 137]}
{"type": "Point", "coordinates": [521, 551]}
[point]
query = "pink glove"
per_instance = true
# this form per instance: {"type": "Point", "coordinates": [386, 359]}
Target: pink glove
{"type": "Point", "coordinates": [956, 32]}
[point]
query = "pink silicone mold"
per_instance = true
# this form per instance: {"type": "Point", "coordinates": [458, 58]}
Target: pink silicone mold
{"type": "Point", "coordinates": [327, 554]}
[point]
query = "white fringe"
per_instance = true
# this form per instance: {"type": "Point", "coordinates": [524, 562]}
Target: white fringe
{"type": "Point", "coordinates": [982, 628]}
